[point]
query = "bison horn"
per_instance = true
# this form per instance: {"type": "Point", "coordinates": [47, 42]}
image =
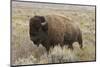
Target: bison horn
{"type": "Point", "coordinates": [44, 23]}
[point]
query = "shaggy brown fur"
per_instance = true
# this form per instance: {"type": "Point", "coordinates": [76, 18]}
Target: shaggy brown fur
{"type": "Point", "coordinates": [62, 30]}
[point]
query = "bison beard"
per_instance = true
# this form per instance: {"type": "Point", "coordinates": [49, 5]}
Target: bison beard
{"type": "Point", "coordinates": [58, 29]}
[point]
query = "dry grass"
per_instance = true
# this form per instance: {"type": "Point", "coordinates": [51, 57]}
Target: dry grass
{"type": "Point", "coordinates": [25, 52]}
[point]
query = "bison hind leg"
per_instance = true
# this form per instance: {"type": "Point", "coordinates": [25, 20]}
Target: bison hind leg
{"type": "Point", "coordinates": [80, 41]}
{"type": "Point", "coordinates": [81, 46]}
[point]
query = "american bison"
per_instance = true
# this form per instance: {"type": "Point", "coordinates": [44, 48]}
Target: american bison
{"type": "Point", "coordinates": [50, 30]}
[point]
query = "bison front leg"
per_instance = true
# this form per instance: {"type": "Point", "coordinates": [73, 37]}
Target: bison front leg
{"type": "Point", "coordinates": [47, 47]}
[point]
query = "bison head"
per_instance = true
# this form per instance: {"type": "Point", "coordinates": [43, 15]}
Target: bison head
{"type": "Point", "coordinates": [38, 29]}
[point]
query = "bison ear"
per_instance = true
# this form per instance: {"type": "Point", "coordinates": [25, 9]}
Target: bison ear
{"type": "Point", "coordinates": [42, 19]}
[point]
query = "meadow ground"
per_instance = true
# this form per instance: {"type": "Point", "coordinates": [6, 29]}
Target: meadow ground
{"type": "Point", "coordinates": [25, 52]}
